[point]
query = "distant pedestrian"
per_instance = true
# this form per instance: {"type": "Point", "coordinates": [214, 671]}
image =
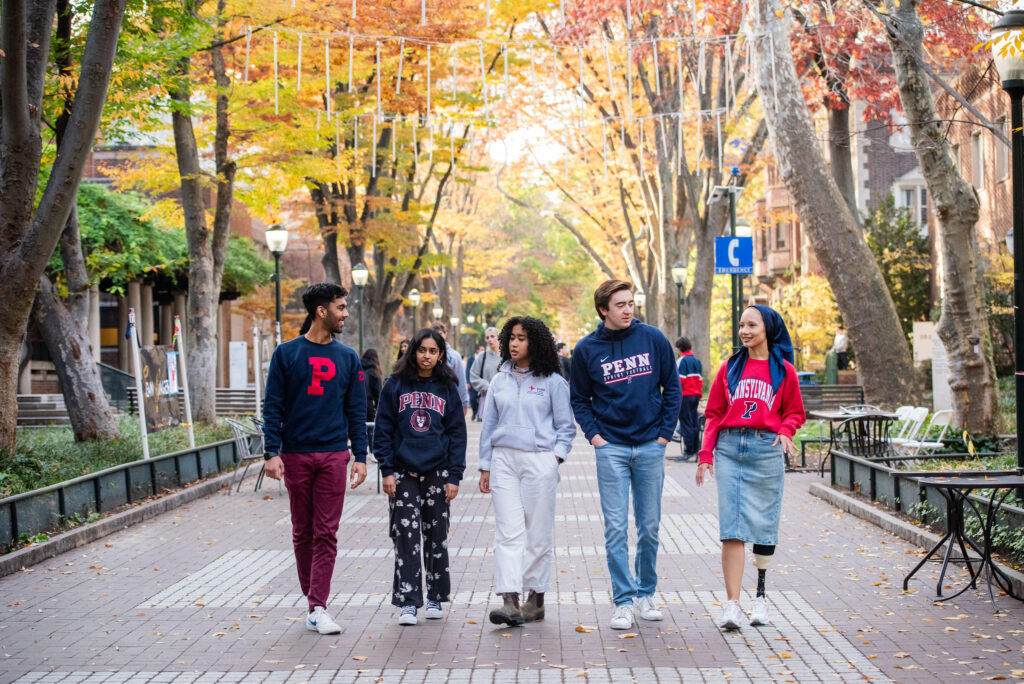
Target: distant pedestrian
{"type": "Point", "coordinates": [527, 433]}
{"type": "Point", "coordinates": [753, 410]}
{"type": "Point", "coordinates": [474, 398]}
{"type": "Point", "coordinates": [420, 439]}
{"type": "Point", "coordinates": [454, 362]}
{"type": "Point", "coordinates": [402, 347]}
{"type": "Point", "coordinates": [564, 360]}
{"type": "Point", "coordinates": [840, 345]}
{"type": "Point", "coordinates": [485, 367]}
{"type": "Point", "coordinates": [625, 396]}
{"type": "Point", "coordinates": [691, 382]}
{"type": "Point", "coordinates": [374, 378]}
{"type": "Point", "coordinates": [315, 407]}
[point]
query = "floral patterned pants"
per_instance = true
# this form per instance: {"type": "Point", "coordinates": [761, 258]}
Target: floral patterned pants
{"type": "Point", "coordinates": [419, 526]}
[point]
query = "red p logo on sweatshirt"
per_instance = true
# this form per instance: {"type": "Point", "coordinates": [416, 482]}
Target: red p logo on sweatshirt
{"type": "Point", "coordinates": [323, 370]}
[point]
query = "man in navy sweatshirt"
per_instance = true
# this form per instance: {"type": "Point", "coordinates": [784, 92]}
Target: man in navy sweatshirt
{"type": "Point", "coordinates": [315, 407]}
{"type": "Point", "coordinates": [625, 396]}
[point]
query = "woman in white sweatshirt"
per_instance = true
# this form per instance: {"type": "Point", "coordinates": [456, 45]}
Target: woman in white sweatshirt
{"type": "Point", "coordinates": [528, 431]}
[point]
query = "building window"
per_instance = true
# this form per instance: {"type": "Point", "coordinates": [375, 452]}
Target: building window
{"type": "Point", "coordinates": [977, 161]}
{"type": "Point", "coordinates": [1001, 152]}
{"type": "Point", "coordinates": [764, 242]}
{"type": "Point", "coordinates": [922, 211]}
{"type": "Point", "coordinates": [915, 199]}
{"type": "Point", "coordinates": [781, 230]}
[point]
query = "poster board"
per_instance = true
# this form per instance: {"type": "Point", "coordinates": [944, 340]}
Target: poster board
{"type": "Point", "coordinates": [159, 366]}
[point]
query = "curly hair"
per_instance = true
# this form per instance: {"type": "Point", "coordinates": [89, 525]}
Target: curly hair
{"type": "Point", "coordinates": [540, 343]}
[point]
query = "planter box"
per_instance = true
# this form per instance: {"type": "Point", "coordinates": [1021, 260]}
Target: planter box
{"type": "Point", "coordinates": [43, 510]}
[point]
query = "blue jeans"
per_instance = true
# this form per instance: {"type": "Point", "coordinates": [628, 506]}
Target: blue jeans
{"type": "Point", "coordinates": [641, 468]}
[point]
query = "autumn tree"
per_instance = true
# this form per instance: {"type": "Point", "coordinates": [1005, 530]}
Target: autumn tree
{"type": "Point", "coordinates": [30, 229]}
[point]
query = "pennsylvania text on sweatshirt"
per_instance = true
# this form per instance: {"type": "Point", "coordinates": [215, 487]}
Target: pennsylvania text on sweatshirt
{"type": "Point", "coordinates": [315, 400]}
{"type": "Point", "coordinates": [420, 427]}
{"type": "Point", "coordinates": [690, 378]}
{"type": "Point", "coordinates": [755, 404]}
{"type": "Point", "coordinates": [624, 385]}
{"type": "Point", "coordinates": [529, 413]}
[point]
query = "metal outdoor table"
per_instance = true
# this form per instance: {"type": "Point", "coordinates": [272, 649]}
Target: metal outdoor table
{"type": "Point", "coordinates": [956, 490]}
{"type": "Point", "coordinates": [833, 418]}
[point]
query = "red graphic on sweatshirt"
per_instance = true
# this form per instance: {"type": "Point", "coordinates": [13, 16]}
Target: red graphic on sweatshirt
{"type": "Point", "coordinates": [323, 370]}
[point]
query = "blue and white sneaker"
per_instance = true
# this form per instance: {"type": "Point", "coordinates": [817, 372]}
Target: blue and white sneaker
{"type": "Point", "coordinates": [408, 616]}
{"type": "Point", "coordinates": [434, 610]}
{"type": "Point", "coordinates": [317, 620]}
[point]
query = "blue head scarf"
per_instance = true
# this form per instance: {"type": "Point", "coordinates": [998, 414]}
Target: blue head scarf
{"type": "Point", "coordinates": [780, 349]}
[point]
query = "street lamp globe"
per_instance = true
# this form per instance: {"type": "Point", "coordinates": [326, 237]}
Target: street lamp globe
{"type": "Point", "coordinates": [640, 298]}
{"type": "Point", "coordinates": [438, 311]}
{"type": "Point", "coordinates": [360, 275]}
{"type": "Point", "coordinates": [471, 319]}
{"type": "Point", "coordinates": [414, 297]}
{"type": "Point", "coordinates": [454, 320]}
{"type": "Point", "coordinates": [277, 238]}
{"type": "Point", "coordinates": [678, 273]}
{"type": "Point", "coordinates": [1009, 62]}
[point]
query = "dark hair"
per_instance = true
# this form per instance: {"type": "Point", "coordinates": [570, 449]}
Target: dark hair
{"type": "Point", "coordinates": [371, 356]}
{"type": "Point", "coordinates": [543, 357]}
{"type": "Point", "coordinates": [604, 292]}
{"type": "Point", "coordinates": [315, 296]}
{"type": "Point", "coordinates": [683, 344]}
{"type": "Point", "coordinates": [560, 346]}
{"type": "Point", "coordinates": [405, 341]}
{"type": "Point", "coordinates": [406, 368]}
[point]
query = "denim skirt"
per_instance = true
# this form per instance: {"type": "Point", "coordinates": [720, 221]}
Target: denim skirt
{"type": "Point", "coordinates": [750, 473]}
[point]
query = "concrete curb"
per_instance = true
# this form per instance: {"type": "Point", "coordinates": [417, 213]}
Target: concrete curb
{"type": "Point", "coordinates": [66, 541]}
{"type": "Point", "coordinates": [900, 528]}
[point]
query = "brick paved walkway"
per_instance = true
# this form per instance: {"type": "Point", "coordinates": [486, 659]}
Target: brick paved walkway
{"type": "Point", "coordinates": [208, 593]}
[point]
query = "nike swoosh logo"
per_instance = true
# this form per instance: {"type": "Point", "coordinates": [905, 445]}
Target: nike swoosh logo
{"type": "Point", "coordinates": [603, 359]}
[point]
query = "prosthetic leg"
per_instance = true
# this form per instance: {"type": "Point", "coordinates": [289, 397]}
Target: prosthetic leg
{"type": "Point", "coordinates": [762, 558]}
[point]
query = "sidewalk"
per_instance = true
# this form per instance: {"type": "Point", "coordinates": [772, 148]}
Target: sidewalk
{"type": "Point", "coordinates": [208, 593]}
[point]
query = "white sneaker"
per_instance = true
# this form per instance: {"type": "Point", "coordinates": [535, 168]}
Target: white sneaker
{"type": "Point", "coordinates": [731, 616]}
{"type": "Point", "coordinates": [434, 610]}
{"type": "Point", "coordinates": [623, 617]}
{"type": "Point", "coordinates": [759, 615]}
{"type": "Point", "coordinates": [408, 616]}
{"type": "Point", "coordinates": [320, 621]}
{"type": "Point", "coordinates": [648, 611]}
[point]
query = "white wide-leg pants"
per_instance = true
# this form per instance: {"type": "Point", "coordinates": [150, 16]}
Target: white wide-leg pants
{"type": "Point", "coordinates": [523, 486]}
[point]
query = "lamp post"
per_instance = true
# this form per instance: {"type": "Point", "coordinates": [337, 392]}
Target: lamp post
{"type": "Point", "coordinates": [640, 298]}
{"type": "Point", "coordinates": [277, 242]}
{"type": "Point", "coordinates": [1010, 66]}
{"type": "Point", "coordinates": [438, 311]}
{"type": "Point", "coordinates": [678, 276]}
{"type": "Point", "coordinates": [414, 298]}
{"type": "Point", "coordinates": [359, 277]}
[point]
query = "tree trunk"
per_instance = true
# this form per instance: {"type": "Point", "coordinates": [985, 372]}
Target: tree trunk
{"type": "Point", "coordinates": [883, 353]}
{"type": "Point", "coordinates": [962, 327]}
{"type": "Point", "coordinates": [68, 342]}
{"type": "Point", "coordinates": [841, 157]}
{"type": "Point", "coordinates": [27, 239]}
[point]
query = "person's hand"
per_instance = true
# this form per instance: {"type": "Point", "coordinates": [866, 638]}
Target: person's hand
{"type": "Point", "coordinates": [704, 470]}
{"type": "Point", "coordinates": [787, 444]}
{"type": "Point", "coordinates": [274, 468]}
{"type": "Point", "coordinates": [450, 492]}
{"type": "Point", "coordinates": [662, 441]}
{"type": "Point", "coordinates": [598, 441]}
{"type": "Point", "coordinates": [358, 475]}
{"type": "Point", "coordinates": [388, 484]}
{"type": "Point", "coordinates": [485, 481]}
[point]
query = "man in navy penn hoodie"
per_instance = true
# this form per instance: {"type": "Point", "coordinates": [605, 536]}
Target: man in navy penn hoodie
{"type": "Point", "coordinates": [625, 396]}
{"type": "Point", "coordinates": [315, 407]}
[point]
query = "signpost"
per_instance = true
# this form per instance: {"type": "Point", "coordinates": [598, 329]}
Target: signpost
{"type": "Point", "coordinates": [734, 256]}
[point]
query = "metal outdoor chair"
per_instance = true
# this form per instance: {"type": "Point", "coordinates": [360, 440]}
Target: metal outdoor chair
{"type": "Point", "coordinates": [911, 429]}
{"type": "Point", "coordinates": [249, 447]}
{"type": "Point", "coordinates": [864, 437]}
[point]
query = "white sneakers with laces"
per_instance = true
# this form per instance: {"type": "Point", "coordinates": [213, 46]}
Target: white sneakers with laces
{"type": "Point", "coordinates": [407, 616]}
{"type": "Point", "coordinates": [318, 620]}
{"type": "Point", "coordinates": [434, 610]}
{"type": "Point", "coordinates": [648, 611]}
{"type": "Point", "coordinates": [759, 615]}
{"type": "Point", "coordinates": [622, 618]}
{"type": "Point", "coordinates": [731, 615]}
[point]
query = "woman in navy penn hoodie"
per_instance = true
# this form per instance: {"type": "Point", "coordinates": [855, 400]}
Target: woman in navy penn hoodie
{"type": "Point", "coordinates": [420, 443]}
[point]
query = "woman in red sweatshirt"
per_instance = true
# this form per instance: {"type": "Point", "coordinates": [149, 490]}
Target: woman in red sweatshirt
{"type": "Point", "coordinates": [752, 413]}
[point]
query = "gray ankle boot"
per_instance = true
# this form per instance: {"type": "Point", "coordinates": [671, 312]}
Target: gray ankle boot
{"type": "Point", "coordinates": [509, 613]}
{"type": "Point", "coordinates": [533, 609]}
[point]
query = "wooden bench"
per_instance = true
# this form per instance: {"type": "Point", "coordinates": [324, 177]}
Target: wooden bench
{"type": "Point", "coordinates": [831, 397]}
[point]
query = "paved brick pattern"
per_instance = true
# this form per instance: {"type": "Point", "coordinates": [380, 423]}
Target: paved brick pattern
{"type": "Point", "coordinates": [208, 593]}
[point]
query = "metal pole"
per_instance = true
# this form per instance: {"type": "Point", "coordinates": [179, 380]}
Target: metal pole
{"type": "Point", "coordinates": [735, 293]}
{"type": "Point", "coordinates": [679, 309]}
{"type": "Point", "coordinates": [1016, 92]}
{"type": "Point", "coordinates": [277, 294]}
{"type": "Point", "coordinates": [360, 321]}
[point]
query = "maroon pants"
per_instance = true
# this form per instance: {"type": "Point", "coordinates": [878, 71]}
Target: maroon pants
{"type": "Point", "coordinates": [316, 493]}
